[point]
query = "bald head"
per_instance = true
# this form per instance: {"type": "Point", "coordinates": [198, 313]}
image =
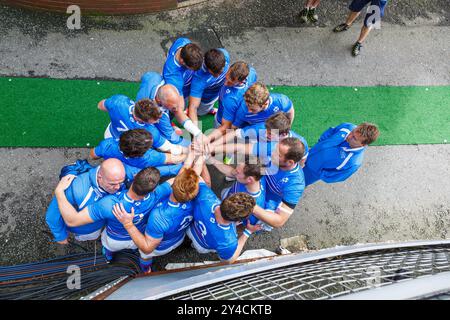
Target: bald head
{"type": "Point", "coordinates": [168, 97]}
{"type": "Point", "coordinates": [111, 175]}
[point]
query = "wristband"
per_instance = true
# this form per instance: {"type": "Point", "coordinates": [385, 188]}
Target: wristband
{"type": "Point", "coordinates": [247, 233]}
{"type": "Point", "coordinates": [191, 127]}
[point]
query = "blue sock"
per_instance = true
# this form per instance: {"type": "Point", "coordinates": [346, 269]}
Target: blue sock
{"type": "Point", "coordinates": [108, 254]}
{"type": "Point", "coordinates": [145, 265]}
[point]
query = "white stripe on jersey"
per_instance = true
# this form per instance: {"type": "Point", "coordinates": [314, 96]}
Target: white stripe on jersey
{"type": "Point", "coordinates": [345, 161]}
{"type": "Point", "coordinates": [273, 185]}
{"type": "Point", "coordinates": [86, 199]}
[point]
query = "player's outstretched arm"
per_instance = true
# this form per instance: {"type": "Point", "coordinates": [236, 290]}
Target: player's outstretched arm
{"type": "Point", "coordinates": [144, 242]}
{"type": "Point", "coordinates": [194, 103]}
{"type": "Point", "coordinates": [274, 219]}
{"type": "Point", "coordinates": [220, 131]}
{"type": "Point", "coordinates": [242, 240]}
{"type": "Point", "coordinates": [228, 148]}
{"type": "Point", "coordinates": [226, 169]}
{"type": "Point", "coordinates": [101, 105]}
{"type": "Point", "coordinates": [174, 149]}
{"type": "Point", "coordinates": [198, 164]}
{"type": "Point", "coordinates": [71, 216]}
{"type": "Point", "coordinates": [175, 159]}
{"type": "Point", "coordinates": [229, 136]}
{"type": "Point", "coordinates": [92, 154]}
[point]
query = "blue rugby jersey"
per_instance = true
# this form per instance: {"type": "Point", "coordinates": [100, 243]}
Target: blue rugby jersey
{"type": "Point", "coordinates": [109, 148]}
{"type": "Point", "coordinates": [277, 102]}
{"type": "Point", "coordinates": [205, 229]}
{"type": "Point", "coordinates": [150, 83]}
{"type": "Point", "coordinates": [285, 186]}
{"type": "Point", "coordinates": [205, 85]}
{"type": "Point", "coordinates": [176, 74]}
{"type": "Point", "coordinates": [120, 110]}
{"type": "Point", "coordinates": [83, 191]}
{"type": "Point", "coordinates": [168, 221]}
{"type": "Point", "coordinates": [332, 159]}
{"type": "Point", "coordinates": [230, 98]}
{"type": "Point", "coordinates": [102, 210]}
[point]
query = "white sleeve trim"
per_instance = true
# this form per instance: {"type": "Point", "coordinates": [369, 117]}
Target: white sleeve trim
{"type": "Point", "coordinates": [288, 211]}
{"type": "Point", "coordinates": [345, 130]}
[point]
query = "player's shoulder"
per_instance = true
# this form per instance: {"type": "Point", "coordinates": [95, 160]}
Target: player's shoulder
{"type": "Point", "coordinates": [280, 98]}
{"type": "Point", "coordinates": [109, 144]}
{"type": "Point", "coordinates": [119, 99]}
{"type": "Point", "coordinates": [81, 184]}
{"type": "Point", "coordinates": [225, 53]}
{"type": "Point", "coordinates": [154, 77]}
{"type": "Point", "coordinates": [346, 125]}
{"type": "Point", "coordinates": [180, 42]}
{"type": "Point", "coordinates": [226, 240]}
{"type": "Point", "coordinates": [201, 75]}
{"type": "Point", "coordinates": [294, 176]}
{"type": "Point", "coordinates": [111, 199]}
{"type": "Point", "coordinates": [252, 77]}
{"type": "Point", "coordinates": [229, 93]}
{"type": "Point", "coordinates": [105, 205]}
{"type": "Point", "coordinates": [157, 213]}
{"type": "Point", "coordinates": [205, 191]}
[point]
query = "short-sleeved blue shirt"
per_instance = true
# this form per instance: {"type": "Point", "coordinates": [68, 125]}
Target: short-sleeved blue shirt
{"type": "Point", "coordinates": [205, 229]}
{"type": "Point", "coordinates": [205, 85]}
{"type": "Point", "coordinates": [83, 191]}
{"type": "Point", "coordinates": [176, 74]}
{"type": "Point", "coordinates": [109, 148]}
{"type": "Point", "coordinates": [102, 210]}
{"type": "Point", "coordinates": [285, 186]}
{"type": "Point", "coordinates": [120, 110]}
{"type": "Point", "coordinates": [277, 102]}
{"type": "Point", "coordinates": [332, 159]}
{"type": "Point", "coordinates": [168, 221]}
{"type": "Point", "coordinates": [231, 97]}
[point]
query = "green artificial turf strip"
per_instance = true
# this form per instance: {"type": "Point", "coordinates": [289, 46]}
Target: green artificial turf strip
{"type": "Point", "coordinates": [63, 113]}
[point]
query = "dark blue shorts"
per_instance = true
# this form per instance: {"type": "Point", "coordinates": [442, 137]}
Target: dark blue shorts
{"type": "Point", "coordinates": [358, 5]}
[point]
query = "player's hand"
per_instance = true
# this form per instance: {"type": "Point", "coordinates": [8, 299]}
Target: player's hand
{"type": "Point", "coordinates": [63, 242]}
{"type": "Point", "coordinates": [207, 150]}
{"type": "Point", "coordinates": [64, 183]}
{"type": "Point", "coordinates": [253, 228]}
{"type": "Point", "coordinates": [122, 215]}
{"type": "Point", "coordinates": [199, 143]}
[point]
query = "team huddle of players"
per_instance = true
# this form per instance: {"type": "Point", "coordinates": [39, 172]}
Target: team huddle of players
{"type": "Point", "coordinates": [123, 200]}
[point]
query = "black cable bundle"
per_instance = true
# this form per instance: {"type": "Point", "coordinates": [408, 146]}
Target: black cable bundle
{"type": "Point", "coordinates": [47, 280]}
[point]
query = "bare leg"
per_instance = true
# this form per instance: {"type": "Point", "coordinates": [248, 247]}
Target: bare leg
{"type": "Point", "coordinates": [312, 3]}
{"type": "Point", "coordinates": [351, 18]}
{"type": "Point", "coordinates": [364, 33]}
